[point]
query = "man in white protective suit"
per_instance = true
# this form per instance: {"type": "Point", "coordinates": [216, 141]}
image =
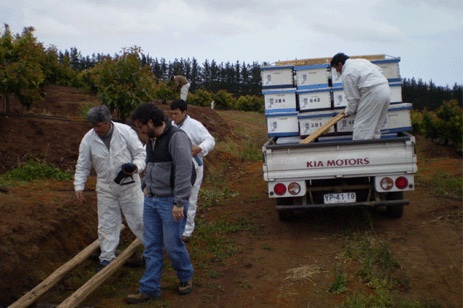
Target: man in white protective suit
{"type": "Point", "coordinates": [203, 142]}
{"type": "Point", "coordinates": [116, 154]}
{"type": "Point", "coordinates": [367, 92]}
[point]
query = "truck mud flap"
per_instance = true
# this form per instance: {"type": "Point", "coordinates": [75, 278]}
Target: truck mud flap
{"type": "Point", "coordinates": [341, 205]}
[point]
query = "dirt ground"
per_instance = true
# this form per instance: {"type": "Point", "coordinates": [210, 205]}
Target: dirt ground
{"type": "Point", "coordinates": [42, 226]}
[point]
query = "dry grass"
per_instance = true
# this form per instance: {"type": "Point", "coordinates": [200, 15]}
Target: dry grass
{"type": "Point", "coordinates": [303, 273]}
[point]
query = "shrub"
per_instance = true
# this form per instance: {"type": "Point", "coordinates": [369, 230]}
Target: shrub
{"type": "Point", "coordinates": [163, 92]}
{"type": "Point", "coordinates": [224, 100]}
{"type": "Point", "coordinates": [200, 98]}
{"type": "Point", "coordinates": [250, 103]}
{"type": "Point", "coordinates": [36, 170]}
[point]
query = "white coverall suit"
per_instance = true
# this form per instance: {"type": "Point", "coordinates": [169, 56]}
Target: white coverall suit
{"type": "Point", "coordinates": [368, 95]}
{"type": "Point", "coordinates": [199, 136]}
{"type": "Point", "coordinates": [184, 91]}
{"type": "Point", "coordinates": [125, 147]}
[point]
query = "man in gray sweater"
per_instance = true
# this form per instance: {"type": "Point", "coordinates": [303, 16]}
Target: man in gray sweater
{"type": "Point", "coordinates": [167, 185]}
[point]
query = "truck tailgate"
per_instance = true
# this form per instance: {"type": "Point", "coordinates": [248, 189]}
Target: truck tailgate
{"type": "Point", "coordinates": [340, 159]}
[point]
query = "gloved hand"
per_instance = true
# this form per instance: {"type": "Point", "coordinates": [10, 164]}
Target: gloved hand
{"type": "Point", "coordinates": [129, 168]}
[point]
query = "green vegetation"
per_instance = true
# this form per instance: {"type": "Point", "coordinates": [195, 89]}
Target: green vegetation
{"type": "Point", "coordinates": [35, 170]}
{"type": "Point", "coordinates": [211, 197]}
{"type": "Point", "coordinates": [443, 126]}
{"type": "Point", "coordinates": [379, 271]}
{"type": "Point", "coordinates": [83, 110]}
{"type": "Point", "coordinates": [446, 185]}
{"type": "Point", "coordinates": [428, 96]}
{"type": "Point", "coordinates": [377, 263]}
{"type": "Point", "coordinates": [246, 151]}
{"type": "Point", "coordinates": [121, 83]}
{"type": "Point", "coordinates": [340, 283]}
{"type": "Point", "coordinates": [247, 142]}
{"type": "Point", "coordinates": [20, 70]}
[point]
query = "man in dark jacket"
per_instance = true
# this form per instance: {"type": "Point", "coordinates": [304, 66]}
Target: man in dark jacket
{"type": "Point", "coordinates": [167, 187]}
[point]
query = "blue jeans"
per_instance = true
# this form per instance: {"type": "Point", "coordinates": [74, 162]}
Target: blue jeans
{"type": "Point", "coordinates": [161, 230]}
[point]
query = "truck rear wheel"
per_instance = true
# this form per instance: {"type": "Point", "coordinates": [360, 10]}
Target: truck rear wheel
{"type": "Point", "coordinates": [395, 211]}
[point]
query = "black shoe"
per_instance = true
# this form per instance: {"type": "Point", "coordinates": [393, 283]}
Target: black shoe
{"type": "Point", "coordinates": [185, 287]}
{"type": "Point", "coordinates": [103, 264]}
{"type": "Point", "coordinates": [185, 239]}
{"type": "Point", "coordinates": [140, 297]}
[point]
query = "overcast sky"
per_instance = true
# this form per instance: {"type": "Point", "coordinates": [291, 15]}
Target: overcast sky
{"type": "Point", "coordinates": [426, 34]}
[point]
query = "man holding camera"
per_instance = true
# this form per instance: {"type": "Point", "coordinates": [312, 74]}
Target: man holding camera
{"type": "Point", "coordinates": [116, 154]}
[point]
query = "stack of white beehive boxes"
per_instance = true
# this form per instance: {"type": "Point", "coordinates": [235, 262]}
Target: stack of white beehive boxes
{"type": "Point", "coordinates": [280, 101]}
{"type": "Point", "coordinates": [299, 99]}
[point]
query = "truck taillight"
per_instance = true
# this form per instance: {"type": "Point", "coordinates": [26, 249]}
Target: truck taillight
{"type": "Point", "coordinates": [279, 189]}
{"type": "Point", "coordinates": [394, 183]}
{"type": "Point", "coordinates": [294, 188]}
{"type": "Point", "coordinates": [387, 183]}
{"type": "Point", "coordinates": [401, 182]}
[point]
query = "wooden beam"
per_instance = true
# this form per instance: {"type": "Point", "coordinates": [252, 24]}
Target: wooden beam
{"type": "Point", "coordinates": [83, 292]}
{"type": "Point", "coordinates": [322, 130]}
{"type": "Point", "coordinates": [30, 297]}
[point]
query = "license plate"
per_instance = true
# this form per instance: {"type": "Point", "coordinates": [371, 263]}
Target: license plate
{"type": "Point", "coordinates": [347, 197]}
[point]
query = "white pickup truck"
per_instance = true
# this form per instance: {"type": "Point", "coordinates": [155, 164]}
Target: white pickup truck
{"type": "Point", "coordinates": [372, 173]}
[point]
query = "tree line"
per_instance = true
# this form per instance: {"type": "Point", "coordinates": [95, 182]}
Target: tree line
{"type": "Point", "coordinates": [236, 78]}
{"type": "Point", "coordinates": [124, 80]}
{"type": "Point", "coordinates": [27, 65]}
{"type": "Point", "coordinates": [245, 79]}
{"type": "Point", "coordinates": [429, 96]}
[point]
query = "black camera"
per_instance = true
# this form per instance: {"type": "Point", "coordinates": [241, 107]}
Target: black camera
{"type": "Point", "coordinates": [122, 176]}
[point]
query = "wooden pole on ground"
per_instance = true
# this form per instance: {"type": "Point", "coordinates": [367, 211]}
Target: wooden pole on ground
{"type": "Point", "coordinates": [83, 292]}
{"type": "Point", "coordinates": [324, 128]}
{"type": "Point", "coordinates": [30, 297]}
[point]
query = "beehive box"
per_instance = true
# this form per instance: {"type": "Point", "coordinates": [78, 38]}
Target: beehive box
{"type": "Point", "coordinates": [389, 67]}
{"type": "Point", "coordinates": [339, 98]}
{"type": "Point", "coordinates": [314, 99]}
{"type": "Point", "coordinates": [309, 122]}
{"type": "Point", "coordinates": [277, 77]}
{"type": "Point", "coordinates": [282, 124]}
{"type": "Point", "coordinates": [312, 76]}
{"type": "Point", "coordinates": [396, 92]}
{"type": "Point", "coordinates": [398, 118]}
{"type": "Point", "coordinates": [345, 125]}
{"type": "Point", "coordinates": [280, 100]}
